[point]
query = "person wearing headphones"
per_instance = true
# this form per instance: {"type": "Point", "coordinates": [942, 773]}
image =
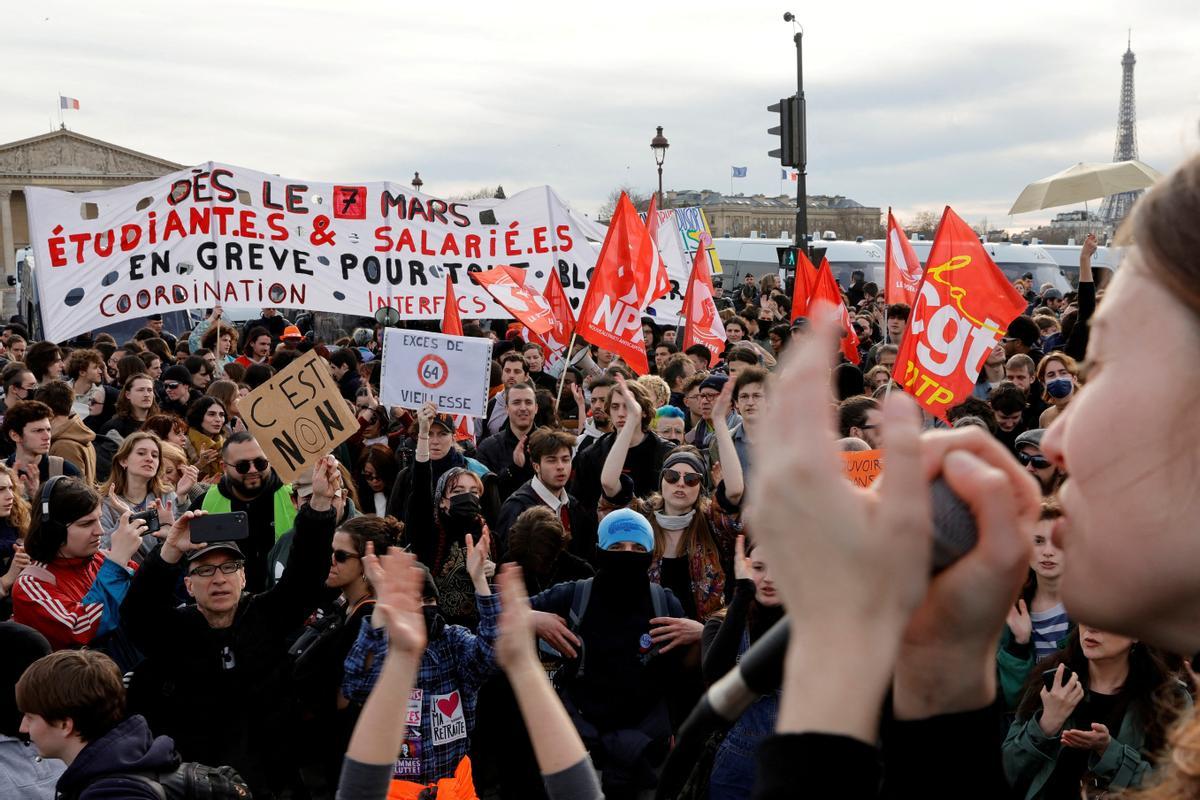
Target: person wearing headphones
{"type": "Point", "coordinates": [72, 591]}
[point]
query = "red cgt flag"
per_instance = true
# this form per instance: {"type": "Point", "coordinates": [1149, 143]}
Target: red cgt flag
{"type": "Point", "coordinates": [622, 285]}
{"type": "Point", "coordinates": [963, 307]}
{"type": "Point", "coordinates": [903, 268]}
{"type": "Point", "coordinates": [507, 285]}
{"type": "Point", "coordinates": [806, 277]}
{"type": "Point", "coordinates": [826, 298]}
{"type": "Point", "coordinates": [702, 322]}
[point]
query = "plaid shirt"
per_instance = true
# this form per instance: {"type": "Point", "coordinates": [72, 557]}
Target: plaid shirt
{"type": "Point", "coordinates": [458, 661]}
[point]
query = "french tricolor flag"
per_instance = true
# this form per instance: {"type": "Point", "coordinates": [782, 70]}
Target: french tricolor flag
{"type": "Point", "coordinates": [68, 102]}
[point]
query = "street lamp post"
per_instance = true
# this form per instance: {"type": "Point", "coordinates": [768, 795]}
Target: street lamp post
{"type": "Point", "coordinates": [417, 183]}
{"type": "Point", "coordinates": [659, 145]}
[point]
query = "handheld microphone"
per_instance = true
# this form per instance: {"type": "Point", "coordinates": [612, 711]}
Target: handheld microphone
{"type": "Point", "coordinates": [761, 668]}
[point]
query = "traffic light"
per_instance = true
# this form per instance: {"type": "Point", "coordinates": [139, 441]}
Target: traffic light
{"type": "Point", "coordinates": [786, 256]}
{"type": "Point", "coordinates": [790, 131]}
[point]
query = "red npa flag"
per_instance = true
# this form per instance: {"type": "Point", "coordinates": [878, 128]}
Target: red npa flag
{"type": "Point", "coordinates": [826, 298]}
{"type": "Point", "coordinates": [806, 277]}
{"type": "Point", "coordinates": [452, 326]}
{"type": "Point", "coordinates": [903, 268]}
{"type": "Point", "coordinates": [507, 285]}
{"type": "Point", "coordinates": [963, 307]}
{"type": "Point", "coordinates": [622, 286]}
{"type": "Point", "coordinates": [702, 322]}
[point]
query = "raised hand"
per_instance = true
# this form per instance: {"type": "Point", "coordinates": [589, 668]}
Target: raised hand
{"type": "Point", "coordinates": [20, 561]}
{"type": "Point", "coordinates": [477, 560]}
{"type": "Point", "coordinates": [516, 644]}
{"type": "Point", "coordinates": [127, 538]}
{"type": "Point", "coordinates": [722, 404]}
{"type": "Point", "coordinates": [179, 538]}
{"type": "Point", "coordinates": [425, 415]}
{"type": "Point", "coordinates": [1059, 701]}
{"type": "Point", "coordinates": [398, 583]}
{"type": "Point", "coordinates": [633, 409]}
{"type": "Point", "coordinates": [1019, 623]}
{"type": "Point", "coordinates": [741, 562]}
{"type": "Point", "coordinates": [188, 476]}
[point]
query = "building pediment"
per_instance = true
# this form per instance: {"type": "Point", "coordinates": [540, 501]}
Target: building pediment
{"type": "Point", "coordinates": [67, 153]}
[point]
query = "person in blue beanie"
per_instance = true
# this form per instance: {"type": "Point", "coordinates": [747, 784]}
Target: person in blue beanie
{"type": "Point", "coordinates": [616, 677]}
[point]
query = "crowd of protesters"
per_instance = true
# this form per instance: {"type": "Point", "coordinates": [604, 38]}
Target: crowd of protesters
{"type": "Point", "coordinates": [530, 605]}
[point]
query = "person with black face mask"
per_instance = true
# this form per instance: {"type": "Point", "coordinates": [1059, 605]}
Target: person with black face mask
{"type": "Point", "coordinates": [440, 716]}
{"type": "Point", "coordinates": [618, 675]}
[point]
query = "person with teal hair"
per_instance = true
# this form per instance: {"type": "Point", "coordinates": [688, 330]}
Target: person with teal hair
{"type": "Point", "coordinates": [669, 423]}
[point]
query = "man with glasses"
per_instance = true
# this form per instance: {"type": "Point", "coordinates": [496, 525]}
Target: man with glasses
{"type": "Point", "coordinates": [249, 484]}
{"type": "Point", "coordinates": [861, 418]}
{"type": "Point", "coordinates": [701, 436]}
{"type": "Point", "coordinates": [749, 398]}
{"type": "Point", "coordinates": [211, 678]}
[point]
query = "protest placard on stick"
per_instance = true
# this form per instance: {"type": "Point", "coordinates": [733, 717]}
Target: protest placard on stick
{"type": "Point", "coordinates": [452, 372]}
{"type": "Point", "coordinates": [298, 416]}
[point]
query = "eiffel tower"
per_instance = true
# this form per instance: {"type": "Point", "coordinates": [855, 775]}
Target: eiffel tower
{"type": "Point", "coordinates": [1116, 207]}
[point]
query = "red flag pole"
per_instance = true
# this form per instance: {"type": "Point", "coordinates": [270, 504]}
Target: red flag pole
{"type": "Point", "coordinates": [562, 378]}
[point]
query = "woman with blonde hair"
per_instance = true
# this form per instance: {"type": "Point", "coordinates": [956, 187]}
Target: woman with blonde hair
{"type": "Point", "coordinates": [659, 391]}
{"type": "Point", "coordinates": [14, 524]}
{"type": "Point", "coordinates": [136, 484]}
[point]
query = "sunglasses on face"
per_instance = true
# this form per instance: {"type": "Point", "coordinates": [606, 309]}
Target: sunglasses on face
{"type": "Point", "coordinates": [1038, 462]}
{"type": "Point", "coordinates": [342, 556]}
{"type": "Point", "coordinates": [371, 476]}
{"type": "Point", "coordinates": [243, 466]}
{"type": "Point", "coordinates": [208, 570]}
{"type": "Point", "coordinates": [673, 476]}
{"type": "Point", "coordinates": [170, 386]}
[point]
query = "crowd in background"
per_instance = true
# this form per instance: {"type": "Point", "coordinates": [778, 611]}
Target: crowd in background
{"type": "Point", "coordinates": [529, 606]}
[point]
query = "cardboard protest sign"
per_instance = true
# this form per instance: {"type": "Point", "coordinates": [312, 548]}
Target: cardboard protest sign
{"type": "Point", "coordinates": [298, 416]}
{"type": "Point", "coordinates": [452, 372]}
{"type": "Point", "coordinates": [862, 467]}
{"type": "Point", "coordinates": [245, 239]}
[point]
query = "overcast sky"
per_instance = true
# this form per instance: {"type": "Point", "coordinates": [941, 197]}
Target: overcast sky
{"type": "Point", "coordinates": [911, 104]}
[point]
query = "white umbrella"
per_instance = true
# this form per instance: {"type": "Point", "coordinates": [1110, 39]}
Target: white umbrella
{"type": "Point", "coordinates": [1084, 182]}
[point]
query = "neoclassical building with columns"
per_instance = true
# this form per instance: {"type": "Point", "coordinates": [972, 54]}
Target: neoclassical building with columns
{"type": "Point", "coordinates": [66, 160]}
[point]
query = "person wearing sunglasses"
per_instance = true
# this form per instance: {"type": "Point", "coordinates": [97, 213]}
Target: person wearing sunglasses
{"type": "Point", "coordinates": [177, 392]}
{"type": "Point", "coordinates": [693, 533]}
{"type": "Point", "coordinates": [211, 678]}
{"type": "Point", "coordinates": [319, 654]}
{"type": "Point", "coordinates": [248, 483]}
{"type": "Point", "coordinates": [1029, 452]}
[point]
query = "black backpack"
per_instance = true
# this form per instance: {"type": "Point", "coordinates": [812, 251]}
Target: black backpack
{"type": "Point", "coordinates": [192, 781]}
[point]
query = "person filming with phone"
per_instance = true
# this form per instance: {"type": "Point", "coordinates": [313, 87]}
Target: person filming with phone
{"type": "Point", "coordinates": [213, 674]}
{"type": "Point", "coordinates": [1095, 714]}
{"type": "Point", "coordinates": [250, 484]}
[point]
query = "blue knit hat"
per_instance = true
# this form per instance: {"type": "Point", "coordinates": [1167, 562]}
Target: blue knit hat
{"type": "Point", "coordinates": [626, 525]}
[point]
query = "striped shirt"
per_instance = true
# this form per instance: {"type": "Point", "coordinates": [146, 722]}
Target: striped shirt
{"type": "Point", "coordinates": [1049, 628]}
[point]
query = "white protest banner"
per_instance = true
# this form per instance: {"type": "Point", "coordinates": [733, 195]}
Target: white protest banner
{"type": "Point", "coordinates": [452, 372]}
{"type": "Point", "coordinates": [298, 416]}
{"type": "Point", "coordinates": [245, 239]}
